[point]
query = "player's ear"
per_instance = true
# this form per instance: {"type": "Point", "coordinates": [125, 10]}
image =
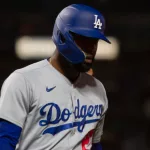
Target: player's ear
{"type": "Point", "coordinates": [62, 39]}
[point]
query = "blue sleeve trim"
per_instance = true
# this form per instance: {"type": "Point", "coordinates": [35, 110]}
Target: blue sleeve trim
{"type": "Point", "coordinates": [5, 145]}
{"type": "Point", "coordinates": [96, 146]}
{"type": "Point", "coordinates": [9, 135]}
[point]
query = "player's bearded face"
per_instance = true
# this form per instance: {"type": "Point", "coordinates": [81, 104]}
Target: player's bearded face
{"type": "Point", "coordinates": [89, 47]}
{"type": "Point", "coordinates": [83, 67]}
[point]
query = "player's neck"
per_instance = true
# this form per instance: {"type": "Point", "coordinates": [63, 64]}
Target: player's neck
{"type": "Point", "coordinates": [62, 65]}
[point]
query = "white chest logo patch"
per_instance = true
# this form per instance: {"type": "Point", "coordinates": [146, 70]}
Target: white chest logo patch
{"type": "Point", "coordinates": [97, 22]}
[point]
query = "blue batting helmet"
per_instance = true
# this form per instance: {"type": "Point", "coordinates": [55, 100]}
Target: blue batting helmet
{"type": "Point", "coordinates": [80, 19]}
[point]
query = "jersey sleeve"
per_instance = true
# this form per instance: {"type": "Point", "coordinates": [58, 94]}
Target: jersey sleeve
{"type": "Point", "coordinates": [14, 99]}
{"type": "Point", "coordinates": [99, 128]}
{"type": "Point", "coordinates": [98, 131]}
{"type": "Point", "coordinates": [104, 96]}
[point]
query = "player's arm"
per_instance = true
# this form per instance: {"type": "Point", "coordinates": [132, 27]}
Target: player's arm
{"type": "Point", "coordinates": [9, 135]}
{"type": "Point", "coordinates": [99, 128]}
{"type": "Point", "coordinates": [96, 145]}
{"type": "Point", "coordinates": [14, 107]}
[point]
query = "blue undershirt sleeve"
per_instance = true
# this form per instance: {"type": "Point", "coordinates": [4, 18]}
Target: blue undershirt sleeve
{"type": "Point", "coordinates": [9, 135]}
{"type": "Point", "coordinates": [96, 146]}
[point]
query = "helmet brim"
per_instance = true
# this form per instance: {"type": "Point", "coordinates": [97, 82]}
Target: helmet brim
{"type": "Point", "coordinates": [90, 33]}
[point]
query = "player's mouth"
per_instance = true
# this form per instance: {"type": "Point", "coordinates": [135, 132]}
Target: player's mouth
{"type": "Point", "coordinates": [89, 58]}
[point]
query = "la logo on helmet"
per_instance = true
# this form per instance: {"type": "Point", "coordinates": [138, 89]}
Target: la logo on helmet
{"type": "Point", "coordinates": [97, 22]}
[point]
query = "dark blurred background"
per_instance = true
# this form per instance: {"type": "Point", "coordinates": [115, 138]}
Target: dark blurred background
{"type": "Point", "coordinates": [126, 78]}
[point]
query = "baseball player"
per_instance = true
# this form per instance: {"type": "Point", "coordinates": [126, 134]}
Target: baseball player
{"type": "Point", "coordinates": [54, 104]}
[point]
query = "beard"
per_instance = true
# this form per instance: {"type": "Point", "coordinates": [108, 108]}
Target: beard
{"type": "Point", "coordinates": [83, 67]}
{"type": "Point", "coordinates": [80, 67]}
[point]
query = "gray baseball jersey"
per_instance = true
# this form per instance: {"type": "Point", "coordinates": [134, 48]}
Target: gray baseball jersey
{"type": "Point", "coordinates": [53, 113]}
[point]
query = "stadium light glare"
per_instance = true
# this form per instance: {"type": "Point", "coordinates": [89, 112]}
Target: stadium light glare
{"type": "Point", "coordinates": [39, 47]}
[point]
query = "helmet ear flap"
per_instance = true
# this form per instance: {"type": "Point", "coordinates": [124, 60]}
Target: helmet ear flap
{"type": "Point", "coordinates": [72, 35]}
{"type": "Point", "coordinates": [61, 38]}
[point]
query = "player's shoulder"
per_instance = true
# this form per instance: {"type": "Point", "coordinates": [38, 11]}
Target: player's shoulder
{"type": "Point", "coordinates": [33, 67]}
{"type": "Point", "coordinates": [93, 80]}
{"type": "Point", "coordinates": [93, 84]}
{"type": "Point", "coordinates": [26, 73]}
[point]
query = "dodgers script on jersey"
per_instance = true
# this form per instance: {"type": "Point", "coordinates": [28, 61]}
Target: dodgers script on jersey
{"type": "Point", "coordinates": [53, 113]}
